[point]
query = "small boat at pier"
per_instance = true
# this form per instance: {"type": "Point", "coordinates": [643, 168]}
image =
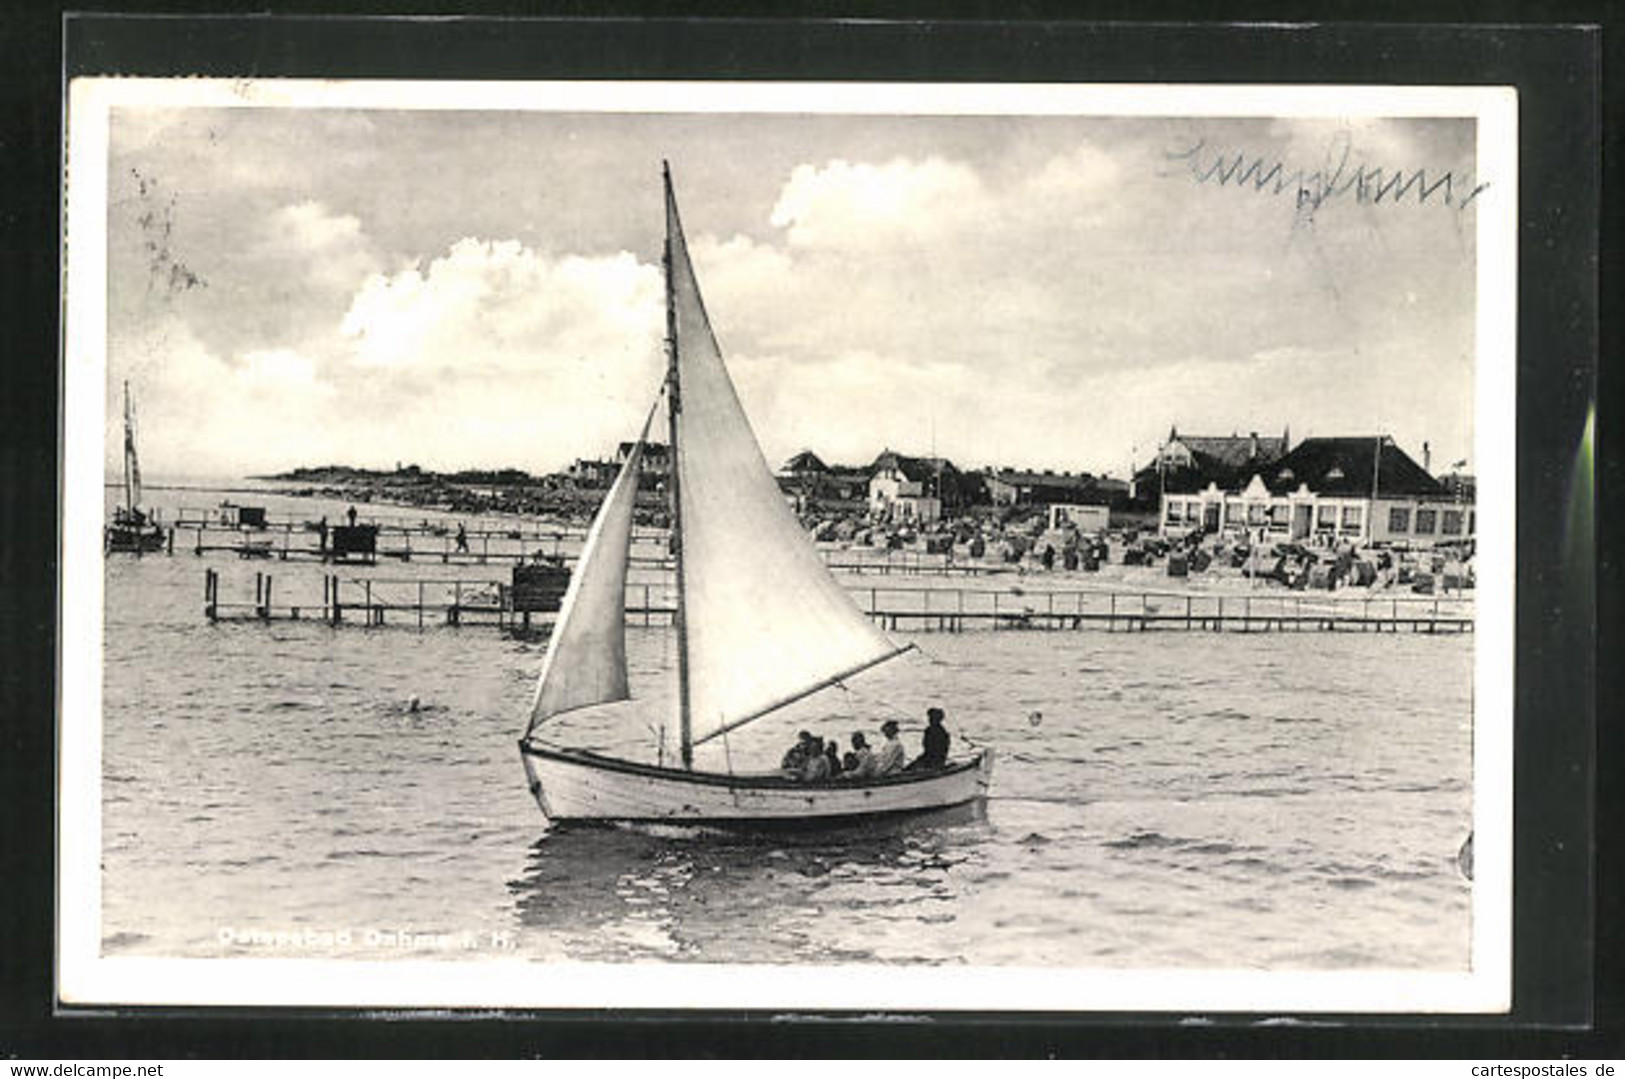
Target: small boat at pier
{"type": "Point", "coordinates": [760, 621]}
{"type": "Point", "coordinates": [133, 530]}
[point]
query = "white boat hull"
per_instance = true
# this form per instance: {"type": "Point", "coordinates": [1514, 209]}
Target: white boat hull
{"type": "Point", "coordinates": [573, 785]}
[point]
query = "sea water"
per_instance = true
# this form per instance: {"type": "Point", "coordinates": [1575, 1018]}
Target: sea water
{"type": "Point", "coordinates": [1284, 801]}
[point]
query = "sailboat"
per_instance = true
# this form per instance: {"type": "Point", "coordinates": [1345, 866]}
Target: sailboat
{"type": "Point", "coordinates": [132, 529]}
{"type": "Point", "coordinates": [760, 622]}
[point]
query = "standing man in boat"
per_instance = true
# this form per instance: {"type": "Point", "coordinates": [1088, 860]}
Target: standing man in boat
{"type": "Point", "coordinates": [935, 743]}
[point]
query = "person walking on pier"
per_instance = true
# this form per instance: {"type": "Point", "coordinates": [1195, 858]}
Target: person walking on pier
{"type": "Point", "coordinates": [321, 529]}
{"type": "Point", "coordinates": [350, 513]}
{"type": "Point", "coordinates": [462, 538]}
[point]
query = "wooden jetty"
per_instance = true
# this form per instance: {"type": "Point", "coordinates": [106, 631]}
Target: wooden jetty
{"type": "Point", "coordinates": [424, 602]}
{"type": "Point", "coordinates": [291, 540]}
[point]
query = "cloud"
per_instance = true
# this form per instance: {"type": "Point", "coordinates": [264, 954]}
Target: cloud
{"type": "Point", "coordinates": [843, 205]}
{"type": "Point", "coordinates": [330, 246]}
{"type": "Point", "coordinates": [499, 304]}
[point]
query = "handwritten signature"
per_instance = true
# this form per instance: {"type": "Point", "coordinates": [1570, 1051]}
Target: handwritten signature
{"type": "Point", "coordinates": [1368, 184]}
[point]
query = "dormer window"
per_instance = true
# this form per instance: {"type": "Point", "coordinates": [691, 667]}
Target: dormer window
{"type": "Point", "coordinates": [1335, 473]}
{"type": "Point", "coordinates": [1285, 475]}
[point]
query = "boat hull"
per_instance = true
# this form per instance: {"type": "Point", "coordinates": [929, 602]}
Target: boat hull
{"type": "Point", "coordinates": [136, 539]}
{"type": "Point", "coordinates": [573, 785]}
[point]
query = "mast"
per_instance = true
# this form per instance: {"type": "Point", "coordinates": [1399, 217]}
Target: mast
{"type": "Point", "coordinates": [674, 407]}
{"type": "Point", "coordinates": [129, 449]}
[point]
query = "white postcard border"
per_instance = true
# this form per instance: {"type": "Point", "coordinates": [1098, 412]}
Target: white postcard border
{"type": "Point", "coordinates": [85, 977]}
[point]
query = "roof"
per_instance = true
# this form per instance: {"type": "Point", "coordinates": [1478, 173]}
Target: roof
{"type": "Point", "coordinates": [1234, 451]}
{"type": "Point", "coordinates": [1344, 467]}
{"type": "Point", "coordinates": [914, 468]}
{"type": "Point", "coordinates": [1206, 470]}
{"type": "Point", "coordinates": [651, 451]}
{"type": "Point", "coordinates": [1023, 478]}
{"type": "Point", "coordinates": [805, 461]}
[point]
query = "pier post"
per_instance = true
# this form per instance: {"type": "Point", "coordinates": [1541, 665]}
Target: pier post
{"type": "Point", "coordinates": [169, 542]}
{"type": "Point", "coordinates": [265, 610]}
{"type": "Point", "coordinates": [420, 604]}
{"type": "Point", "coordinates": [338, 608]}
{"type": "Point", "coordinates": [211, 584]}
{"type": "Point", "coordinates": [198, 548]}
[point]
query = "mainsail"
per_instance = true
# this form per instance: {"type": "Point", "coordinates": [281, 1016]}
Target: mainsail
{"type": "Point", "coordinates": [132, 465]}
{"type": "Point", "coordinates": [586, 658]}
{"type": "Point", "coordinates": [765, 621]}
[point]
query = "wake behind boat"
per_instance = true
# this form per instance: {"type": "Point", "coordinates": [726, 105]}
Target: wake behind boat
{"type": "Point", "coordinates": [760, 621]}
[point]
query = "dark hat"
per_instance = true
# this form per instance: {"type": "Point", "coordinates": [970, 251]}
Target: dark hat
{"type": "Point", "coordinates": [934, 713]}
{"type": "Point", "coordinates": [858, 739]}
{"type": "Point", "coordinates": [889, 727]}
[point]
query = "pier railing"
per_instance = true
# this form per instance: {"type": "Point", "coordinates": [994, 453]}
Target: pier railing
{"type": "Point", "coordinates": [455, 601]}
{"type": "Point", "coordinates": [301, 541]}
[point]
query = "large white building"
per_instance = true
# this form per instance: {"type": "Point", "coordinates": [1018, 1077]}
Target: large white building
{"type": "Point", "coordinates": [1362, 490]}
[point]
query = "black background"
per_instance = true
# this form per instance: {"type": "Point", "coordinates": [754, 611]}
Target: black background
{"type": "Point", "coordinates": [1567, 936]}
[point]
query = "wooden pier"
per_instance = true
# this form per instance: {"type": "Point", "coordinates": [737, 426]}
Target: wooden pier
{"type": "Point", "coordinates": [425, 602]}
{"type": "Point", "coordinates": [291, 540]}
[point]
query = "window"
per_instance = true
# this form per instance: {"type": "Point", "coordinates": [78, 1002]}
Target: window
{"type": "Point", "coordinates": [1399, 519]}
{"type": "Point", "coordinates": [1472, 522]}
{"type": "Point", "coordinates": [1325, 516]}
{"type": "Point", "coordinates": [1424, 522]}
{"type": "Point", "coordinates": [1233, 513]}
{"type": "Point", "coordinates": [1451, 526]}
{"type": "Point", "coordinates": [1176, 511]}
{"type": "Point", "coordinates": [1255, 514]}
{"type": "Point", "coordinates": [1280, 515]}
{"type": "Point", "coordinates": [1352, 516]}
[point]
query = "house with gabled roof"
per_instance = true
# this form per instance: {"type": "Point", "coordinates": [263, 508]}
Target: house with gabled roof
{"type": "Point", "coordinates": [913, 488]}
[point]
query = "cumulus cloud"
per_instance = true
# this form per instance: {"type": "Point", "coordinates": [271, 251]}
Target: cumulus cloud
{"type": "Point", "coordinates": [497, 303]}
{"type": "Point", "coordinates": [844, 205]}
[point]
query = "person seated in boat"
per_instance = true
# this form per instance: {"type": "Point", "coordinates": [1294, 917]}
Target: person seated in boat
{"type": "Point", "coordinates": [795, 758]}
{"type": "Point", "coordinates": [817, 767]}
{"type": "Point", "coordinates": [832, 754]}
{"type": "Point", "coordinates": [859, 762]}
{"type": "Point", "coordinates": [892, 755]}
{"type": "Point", "coordinates": [935, 743]}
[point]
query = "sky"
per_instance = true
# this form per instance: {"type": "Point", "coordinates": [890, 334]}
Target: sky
{"type": "Point", "coordinates": [296, 286]}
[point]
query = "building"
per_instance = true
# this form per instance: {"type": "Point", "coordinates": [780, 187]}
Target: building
{"type": "Point", "coordinates": [1218, 451]}
{"type": "Point", "coordinates": [1363, 490]}
{"type": "Point", "coordinates": [1009, 486]}
{"type": "Point", "coordinates": [914, 488]}
{"type": "Point", "coordinates": [656, 462]}
{"type": "Point", "coordinates": [592, 474]}
{"type": "Point", "coordinates": [804, 464]}
{"type": "Point", "coordinates": [1083, 517]}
